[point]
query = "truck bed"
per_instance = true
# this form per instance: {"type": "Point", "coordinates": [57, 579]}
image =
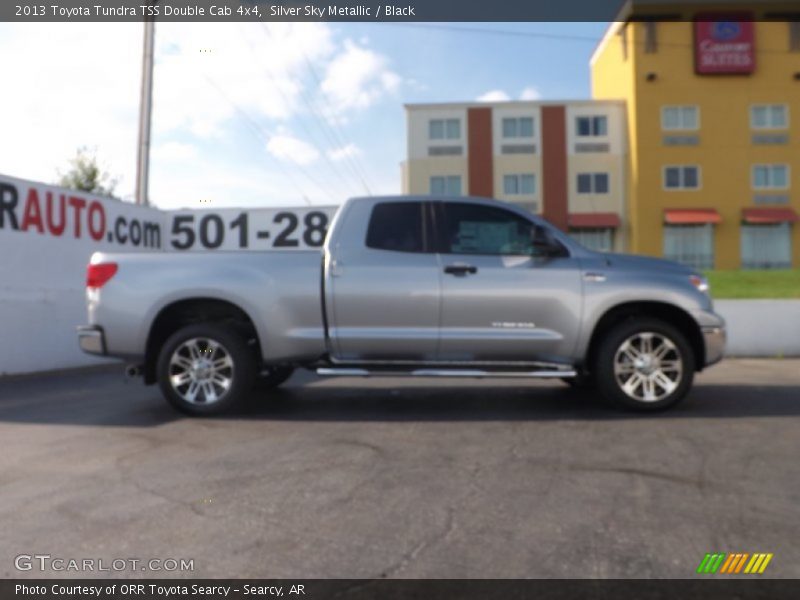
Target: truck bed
{"type": "Point", "coordinates": [280, 291]}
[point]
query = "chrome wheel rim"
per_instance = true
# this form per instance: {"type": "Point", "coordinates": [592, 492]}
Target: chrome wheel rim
{"type": "Point", "coordinates": [648, 366]}
{"type": "Point", "coordinates": [201, 371]}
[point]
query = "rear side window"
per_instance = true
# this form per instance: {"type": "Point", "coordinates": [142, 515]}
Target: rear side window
{"type": "Point", "coordinates": [397, 226]}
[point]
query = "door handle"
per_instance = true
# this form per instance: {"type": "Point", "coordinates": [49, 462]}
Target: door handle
{"type": "Point", "coordinates": [460, 270]}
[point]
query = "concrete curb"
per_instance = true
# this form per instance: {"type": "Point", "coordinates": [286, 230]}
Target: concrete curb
{"type": "Point", "coordinates": [111, 367]}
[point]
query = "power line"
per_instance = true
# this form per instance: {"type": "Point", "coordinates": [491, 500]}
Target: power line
{"type": "Point", "coordinates": [339, 137]}
{"type": "Point", "coordinates": [259, 132]}
{"type": "Point", "coordinates": [488, 31]}
{"type": "Point", "coordinates": [328, 128]}
{"type": "Point", "coordinates": [351, 159]}
{"type": "Point", "coordinates": [555, 36]}
{"type": "Point", "coordinates": [305, 128]}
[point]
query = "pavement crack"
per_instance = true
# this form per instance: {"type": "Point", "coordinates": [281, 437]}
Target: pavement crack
{"type": "Point", "coordinates": [423, 545]}
{"type": "Point", "coordinates": [672, 478]}
{"type": "Point", "coordinates": [143, 488]}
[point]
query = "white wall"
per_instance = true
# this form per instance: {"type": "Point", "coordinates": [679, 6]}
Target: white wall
{"type": "Point", "coordinates": [768, 328]}
{"type": "Point", "coordinates": [42, 273]}
{"type": "Point", "coordinates": [43, 266]}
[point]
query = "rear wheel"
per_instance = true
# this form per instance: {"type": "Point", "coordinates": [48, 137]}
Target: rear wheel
{"type": "Point", "coordinates": [644, 364]}
{"type": "Point", "coordinates": [205, 369]}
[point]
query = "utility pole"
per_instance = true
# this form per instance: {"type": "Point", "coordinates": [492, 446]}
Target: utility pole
{"type": "Point", "coordinates": [145, 111]}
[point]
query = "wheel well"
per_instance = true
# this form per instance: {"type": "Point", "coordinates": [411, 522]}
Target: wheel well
{"type": "Point", "coordinates": [668, 313]}
{"type": "Point", "coordinates": [175, 316]}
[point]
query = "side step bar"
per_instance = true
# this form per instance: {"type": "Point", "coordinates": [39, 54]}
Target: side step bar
{"type": "Point", "coordinates": [537, 374]}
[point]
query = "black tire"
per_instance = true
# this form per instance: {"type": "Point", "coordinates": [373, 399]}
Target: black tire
{"type": "Point", "coordinates": [208, 338]}
{"type": "Point", "coordinates": [271, 377]}
{"type": "Point", "coordinates": [617, 347]}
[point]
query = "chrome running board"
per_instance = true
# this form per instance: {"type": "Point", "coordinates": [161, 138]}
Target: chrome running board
{"type": "Point", "coordinates": [477, 373]}
{"type": "Point", "coordinates": [343, 372]}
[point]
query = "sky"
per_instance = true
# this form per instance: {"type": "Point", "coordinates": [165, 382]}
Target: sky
{"type": "Point", "coordinates": [269, 114]}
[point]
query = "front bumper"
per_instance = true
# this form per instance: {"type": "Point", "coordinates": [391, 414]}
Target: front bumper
{"type": "Point", "coordinates": [92, 340]}
{"type": "Point", "coordinates": [715, 339]}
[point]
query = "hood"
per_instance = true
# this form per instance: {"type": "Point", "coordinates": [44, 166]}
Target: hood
{"type": "Point", "coordinates": [631, 261]}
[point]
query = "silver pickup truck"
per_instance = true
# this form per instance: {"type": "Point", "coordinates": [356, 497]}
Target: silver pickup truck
{"type": "Point", "coordinates": [451, 287]}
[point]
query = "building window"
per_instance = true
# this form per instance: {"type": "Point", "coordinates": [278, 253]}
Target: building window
{"type": "Point", "coordinates": [444, 129]}
{"type": "Point", "coordinates": [679, 117]}
{"type": "Point", "coordinates": [767, 246]}
{"type": "Point", "coordinates": [768, 116]}
{"type": "Point", "coordinates": [794, 36]}
{"type": "Point", "coordinates": [519, 185]}
{"type": "Point", "coordinates": [518, 127]}
{"type": "Point", "coordinates": [600, 239]}
{"type": "Point", "coordinates": [682, 178]}
{"type": "Point", "coordinates": [692, 245]}
{"type": "Point", "coordinates": [650, 37]}
{"type": "Point", "coordinates": [770, 177]}
{"type": "Point", "coordinates": [592, 126]}
{"type": "Point", "coordinates": [449, 185]}
{"type": "Point", "coordinates": [592, 183]}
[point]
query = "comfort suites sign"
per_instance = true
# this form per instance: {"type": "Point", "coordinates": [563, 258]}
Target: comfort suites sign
{"type": "Point", "coordinates": [724, 44]}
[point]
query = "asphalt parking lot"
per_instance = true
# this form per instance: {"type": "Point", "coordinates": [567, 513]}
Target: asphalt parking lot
{"type": "Point", "coordinates": [403, 478]}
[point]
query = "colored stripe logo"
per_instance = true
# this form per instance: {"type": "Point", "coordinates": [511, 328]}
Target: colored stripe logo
{"type": "Point", "coordinates": [734, 563]}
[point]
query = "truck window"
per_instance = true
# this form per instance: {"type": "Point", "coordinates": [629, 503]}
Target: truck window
{"type": "Point", "coordinates": [397, 226]}
{"type": "Point", "coordinates": [476, 229]}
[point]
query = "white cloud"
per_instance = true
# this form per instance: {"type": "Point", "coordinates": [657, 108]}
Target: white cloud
{"type": "Point", "coordinates": [493, 96]}
{"type": "Point", "coordinates": [530, 93]}
{"type": "Point", "coordinates": [344, 152]}
{"type": "Point", "coordinates": [207, 73]}
{"type": "Point", "coordinates": [292, 149]}
{"type": "Point", "coordinates": [78, 85]}
{"type": "Point", "coordinates": [67, 90]}
{"type": "Point", "coordinates": [357, 78]}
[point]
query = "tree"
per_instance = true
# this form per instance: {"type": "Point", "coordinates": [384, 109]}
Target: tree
{"type": "Point", "coordinates": [86, 175]}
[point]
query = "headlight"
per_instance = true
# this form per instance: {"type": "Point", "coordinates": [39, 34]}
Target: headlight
{"type": "Point", "coordinates": [700, 282]}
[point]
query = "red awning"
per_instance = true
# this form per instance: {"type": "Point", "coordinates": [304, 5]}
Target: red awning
{"type": "Point", "coordinates": [769, 215]}
{"type": "Point", "coordinates": [691, 216]}
{"type": "Point", "coordinates": [593, 220]}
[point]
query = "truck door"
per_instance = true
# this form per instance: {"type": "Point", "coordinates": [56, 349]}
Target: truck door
{"type": "Point", "coordinates": [384, 287]}
{"type": "Point", "coordinates": [502, 298]}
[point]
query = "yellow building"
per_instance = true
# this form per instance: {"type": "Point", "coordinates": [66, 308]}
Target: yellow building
{"type": "Point", "coordinates": [712, 93]}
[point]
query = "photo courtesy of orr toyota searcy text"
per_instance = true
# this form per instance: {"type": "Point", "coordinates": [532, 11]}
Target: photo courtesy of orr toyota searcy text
{"type": "Point", "coordinates": [161, 591]}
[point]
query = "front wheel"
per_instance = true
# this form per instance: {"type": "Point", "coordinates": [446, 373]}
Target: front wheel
{"type": "Point", "coordinates": [645, 365]}
{"type": "Point", "coordinates": [205, 369]}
